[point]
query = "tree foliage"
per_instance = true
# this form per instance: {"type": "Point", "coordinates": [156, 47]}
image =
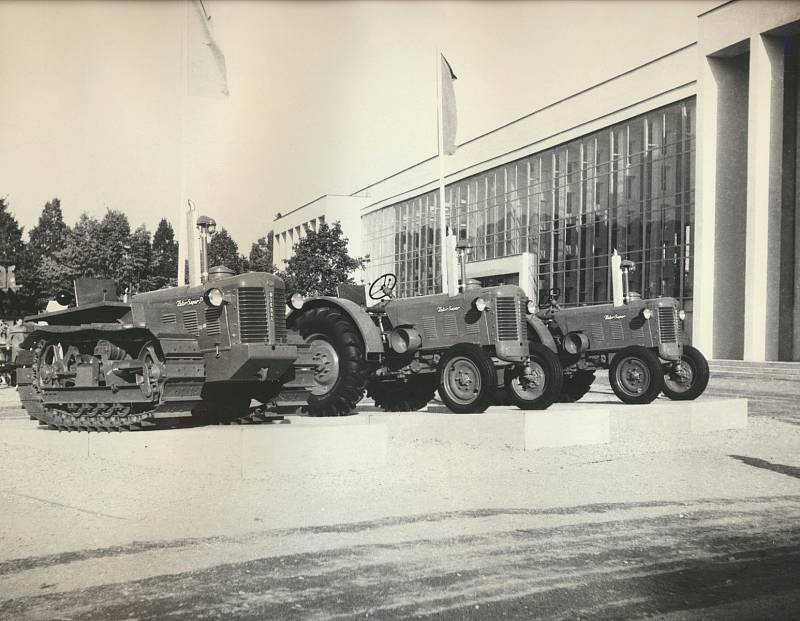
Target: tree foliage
{"type": "Point", "coordinates": [164, 266]}
{"type": "Point", "coordinates": [320, 262]}
{"type": "Point", "coordinates": [222, 250]}
{"type": "Point", "coordinates": [56, 254]}
{"type": "Point", "coordinates": [11, 253]}
{"type": "Point", "coordinates": [260, 259]}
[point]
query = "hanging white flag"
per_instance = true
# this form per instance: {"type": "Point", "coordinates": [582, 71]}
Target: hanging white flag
{"type": "Point", "coordinates": [449, 116]}
{"type": "Point", "coordinates": [206, 74]}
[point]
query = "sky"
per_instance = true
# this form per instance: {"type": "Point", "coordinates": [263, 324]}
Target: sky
{"type": "Point", "coordinates": [325, 97]}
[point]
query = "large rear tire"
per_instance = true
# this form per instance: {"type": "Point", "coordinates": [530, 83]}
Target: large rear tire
{"type": "Point", "coordinates": [467, 380]}
{"type": "Point", "coordinates": [539, 389]}
{"type": "Point", "coordinates": [576, 386]}
{"type": "Point", "coordinates": [690, 382]}
{"type": "Point", "coordinates": [636, 375]}
{"type": "Point", "coordinates": [409, 396]}
{"type": "Point", "coordinates": [342, 370]}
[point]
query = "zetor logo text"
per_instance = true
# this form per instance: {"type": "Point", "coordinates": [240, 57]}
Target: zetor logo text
{"type": "Point", "coordinates": [188, 302]}
{"type": "Point", "coordinates": [446, 309]}
{"type": "Point", "coordinates": [614, 317]}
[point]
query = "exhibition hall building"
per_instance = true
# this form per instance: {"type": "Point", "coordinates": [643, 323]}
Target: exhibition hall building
{"type": "Point", "coordinates": [686, 164]}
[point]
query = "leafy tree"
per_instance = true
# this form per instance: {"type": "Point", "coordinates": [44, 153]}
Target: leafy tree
{"type": "Point", "coordinates": [222, 250]}
{"type": "Point", "coordinates": [11, 253]}
{"type": "Point", "coordinates": [138, 258]}
{"type": "Point", "coordinates": [48, 238]}
{"type": "Point", "coordinates": [320, 262]}
{"type": "Point", "coordinates": [260, 259]}
{"type": "Point", "coordinates": [51, 233]}
{"type": "Point", "coordinates": [164, 266]}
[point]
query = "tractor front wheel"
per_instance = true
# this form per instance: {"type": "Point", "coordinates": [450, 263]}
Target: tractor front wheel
{"type": "Point", "coordinates": [409, 396]}
{"type": "Point", "coordinates": [576, 386]}
{"type": "Point", "coordinates": [341, 369]}
{"type": "Point", "coordinates": [467, 380]}
{"type": "Point", "coordinates": [537, 386]}
{"type": "Point", "coordinates": [688, 380]}
{"type": "Point", "coordinates": [636, 375]}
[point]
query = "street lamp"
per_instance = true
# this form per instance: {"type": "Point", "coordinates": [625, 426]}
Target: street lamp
{"type": "Point", "coordinates": [463, 248]}
{"type": "Point", "coordinates": [207, 226]}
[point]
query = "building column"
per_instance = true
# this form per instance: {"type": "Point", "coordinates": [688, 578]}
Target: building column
{"type": "Point", "coordinates": [705, 208]}
{"type": "Point", "coordinates": [764, 168]}
{"type": "Point", "coordinates": [529, 276]}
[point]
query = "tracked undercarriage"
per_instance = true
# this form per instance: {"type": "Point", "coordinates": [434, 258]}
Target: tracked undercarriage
{"type": "Point", "coordinates": [206, 352]}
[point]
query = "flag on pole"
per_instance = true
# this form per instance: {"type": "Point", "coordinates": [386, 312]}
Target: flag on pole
{"type": "Point", "coordinates": [206, 74]}
{"type": "Point", "coordinates": [449, 116]}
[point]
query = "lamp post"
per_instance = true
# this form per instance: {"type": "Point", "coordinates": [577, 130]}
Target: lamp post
{"type": "Point", "coordinates": [463, 248]}
{"type": "Point", "coordinates": [207, 226]}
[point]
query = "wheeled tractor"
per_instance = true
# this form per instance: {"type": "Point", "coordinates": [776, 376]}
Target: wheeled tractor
{"type": "Point", "coordinates": [641, 342]}
{"type": "Point", "coordinates": [463, 346]}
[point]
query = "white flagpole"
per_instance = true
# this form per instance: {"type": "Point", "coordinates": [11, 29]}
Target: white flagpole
{"type": "Point", "coordinates": [442, 214]}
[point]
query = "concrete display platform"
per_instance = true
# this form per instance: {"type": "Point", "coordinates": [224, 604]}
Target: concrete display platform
{"type": "Point", "coordinates": [359, 442]}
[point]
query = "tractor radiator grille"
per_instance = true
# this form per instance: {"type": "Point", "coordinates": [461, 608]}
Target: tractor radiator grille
{"type": "Point", "coordinates": [212, 320]}
{"type": "Point", "coordinates": [190, 322]}
{"type": "Point", "coordinates": [279, 309]}
{"type": "Point", "coordinates": [667, 324]}
{"type": "Point", "coordinates": [169, 318]}
{"type": "Point", "coordinates": [253, 324]}
{"type": "Point", "coordinates": [507, 319]}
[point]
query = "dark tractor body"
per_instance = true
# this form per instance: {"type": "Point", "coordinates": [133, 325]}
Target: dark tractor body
{"type": "Point", "coordinates": [463, 345]}
{"type": "Point", "coordinates": [641, 343]}
{"type": "Point", "coordinates": [206, 350]}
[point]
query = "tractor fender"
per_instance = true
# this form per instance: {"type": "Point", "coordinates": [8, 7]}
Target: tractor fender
{"type": "Point", "coordinates": [543, 334]}
{"type": "Point", "coordinates": [370, 333]}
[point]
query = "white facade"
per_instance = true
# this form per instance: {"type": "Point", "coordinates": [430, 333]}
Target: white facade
{"type": "Point", "coordinates": [291, 227]}
{"type": "Point", "coordinates": [736, 221]}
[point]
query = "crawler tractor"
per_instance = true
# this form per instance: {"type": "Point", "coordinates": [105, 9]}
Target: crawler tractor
{"type": "Point", "coordinates": [640, 342]}
{"type": "Point", "coordinates": [204, 350]}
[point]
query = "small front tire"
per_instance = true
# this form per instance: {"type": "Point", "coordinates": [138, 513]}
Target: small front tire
{"type": "Point", "coordinates": [636, 375]}
{"type": "Point", "coordinates": [408, 396]}
{"type": "Point", "coordinates": [541, 387]}
{"type": "Point", "coordinates": [467, 379]}
{"type": "Point", "coordinates": [691, 381]}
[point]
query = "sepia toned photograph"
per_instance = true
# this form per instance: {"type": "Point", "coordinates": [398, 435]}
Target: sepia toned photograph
{"type": "Point", "coordinates": [362, 309]}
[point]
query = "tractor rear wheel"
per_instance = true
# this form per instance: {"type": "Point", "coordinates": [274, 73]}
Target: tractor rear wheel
{"type": "Point", "coordinates": [467, 380]}
{"type": "Point", "coordinates": [636, 375]}
{"type": "Point", "coordinates": [690, 380]}
{"type": "Point", "coordinates": [575, 386]}
{"type": "Point", "coordinates": [541, 386]}
{"type": "Point", "coordinates": [341, 372]}
{"type": "Point", "coordinates": [409, 396]}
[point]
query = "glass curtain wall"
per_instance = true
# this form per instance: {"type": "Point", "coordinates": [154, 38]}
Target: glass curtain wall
{"type": "Point", "coordinates": [629, 187]}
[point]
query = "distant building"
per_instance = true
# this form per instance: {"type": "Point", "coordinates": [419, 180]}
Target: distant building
{"type": "Point", "coordinates": [291, 227]}
{"type": "Point", "coordinates": [687, 164]}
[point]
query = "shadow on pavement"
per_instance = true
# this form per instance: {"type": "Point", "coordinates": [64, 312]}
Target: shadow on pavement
{"type": "Point", "coordinates": [792, 471]}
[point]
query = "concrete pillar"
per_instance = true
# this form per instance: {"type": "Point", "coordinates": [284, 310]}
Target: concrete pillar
{"type": "Point", "coordinates": [705, 209]}
{"type": "Point", "coordinates": [764, 168]}
{"type": "Point", "coordinates": [529, 276]}
{"type": "Point", "coordinates": [721, 205]}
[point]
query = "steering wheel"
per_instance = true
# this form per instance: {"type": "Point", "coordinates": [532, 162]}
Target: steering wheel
{"type": "Point", "coordinates": [383, 286]}
{"type": "Point", "coordinates": [552, 297]}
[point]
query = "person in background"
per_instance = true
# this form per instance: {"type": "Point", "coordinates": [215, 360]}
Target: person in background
{"type": "Point", "coordinates": [3, 333]}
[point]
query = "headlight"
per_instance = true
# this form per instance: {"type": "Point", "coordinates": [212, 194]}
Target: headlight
{"type": "Point", "coordinates": [214, 297]}
{"type": "Point", "coordinates": [296, 301]}
{"type": "Point", "coordinates": [479, 304]}
{"type": "Point", "coordinates": [530, 307]}
{"type": "Point", "coordinates": [647, 313]}
{"type": "Point", "coordinates": [681, 314]}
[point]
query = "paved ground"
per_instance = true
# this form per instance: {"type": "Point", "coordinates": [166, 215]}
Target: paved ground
{"type": "Point", "coordinates": [449, 531]}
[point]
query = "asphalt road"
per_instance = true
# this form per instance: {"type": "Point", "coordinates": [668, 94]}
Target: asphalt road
{"type": "Point", "coordinates": [708, 531]}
